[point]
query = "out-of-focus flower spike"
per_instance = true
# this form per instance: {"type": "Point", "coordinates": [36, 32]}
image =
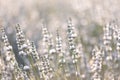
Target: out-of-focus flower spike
{"type": "Point", "coordinates": [107, 37]}
{"type": "Point", "coordinates": [11, 63]}
{"type": "Point", "coordinates": [43, 45]}
{"type": "Point", "coordinates": [118, 45]}
{"type": "Point", "coordinates": [6, 42]}
{"type": "Point", "coordinates": [96, 65]}
{"type": "Point", "coordinates": [34, 52]}
{"type": "Point", "coordinates": [22, 47]}
{"type": "Point", "coordinates": [60, 51]}
{"type": "Point", "coordinates": [45, 33]}
{"type": "Point", "coordinates": [46, 69]}
{"type": "Point", "coordinates": [58, 43]}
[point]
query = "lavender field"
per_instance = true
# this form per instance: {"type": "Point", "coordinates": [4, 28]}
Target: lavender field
{"type": "Point", "coordinates": [59, 40]}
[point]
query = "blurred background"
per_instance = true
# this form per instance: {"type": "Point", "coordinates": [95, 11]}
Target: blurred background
{"type": "Point", "coordinates": [88, 16]}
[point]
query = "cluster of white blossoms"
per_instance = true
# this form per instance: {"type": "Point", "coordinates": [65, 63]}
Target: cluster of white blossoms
{"type": "Point", "coordinates": [46, 50]}
{"type": "Point", "coordinates": [11, 68]}
{"type": "Point", "coordinates": [111, 33]}
{"type": "Point", "coordinates": [34, 53]}
{"type": "Point", "coordinates": [25, 52]}
{"type": "Point", "coordinates": [107, 37]}
{"type": "Point", "coordinates": [112, 48]}
{"type": "Point", "coordinates": [45, 40]}
{"type": "Point", "coordinates": [55, 61]}
{"type": "Point", "coordinates": [51, 50]}
{"type": "Point", "coordinates": [71, 35]}
{"type": "Point", "coordinates": [46, 46]}
{"type": "Point", "coordinates": [116, 36]}
{"type": "Point", "coordinates": [45, 67]}
{"type": "Point", "coordinates": [58, 43]}
{"type": "Point", "coordinates": [59, 51]}
{"type": "Point", "coordinates": [118, 45]}
{"type": "Point", "coordinates": [71, 38]}
{"type": "Point", "coordinates": [36, 59]}
{"type": "Point", "coordinates": [74, 53]}
{"type": "Point", "coordinates": [22, 46]}
{"type": "Point", "coordinates": [96, 66]}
